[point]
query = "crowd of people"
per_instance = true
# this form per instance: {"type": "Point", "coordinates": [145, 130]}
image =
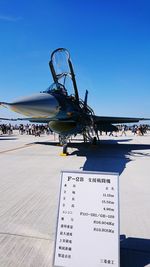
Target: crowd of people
{"type": "Point", "coordinates": [6, 129]}
{"type": "Point", "coordinates": [135, 129]}
{"type": "Point", "coordinates": [38, 129]}
{"type": "Point", "coordinates": [34, 129]}
{"type": "Point", "coordinates": [29, 129]}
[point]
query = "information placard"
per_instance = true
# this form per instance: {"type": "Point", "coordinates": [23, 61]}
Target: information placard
{"type": "Point", "coordinates": [88, 220]}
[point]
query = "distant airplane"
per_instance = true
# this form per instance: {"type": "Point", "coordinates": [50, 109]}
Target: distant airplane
{"type": "Point", "coordinates": [64, 111]}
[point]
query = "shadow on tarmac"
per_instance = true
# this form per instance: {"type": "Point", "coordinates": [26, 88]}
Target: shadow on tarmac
{"type": "Point", "coordinates": [110, 156]}
{"type": "Point", "coordinates": [134, 252]}
{"type": "Point", "coordinates": [7, 139]}
{"type": "Point", "coordinates": [106, 156]}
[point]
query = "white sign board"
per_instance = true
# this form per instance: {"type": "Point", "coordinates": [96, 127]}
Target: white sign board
{"type": "Point", "coordinates": [88, 220]}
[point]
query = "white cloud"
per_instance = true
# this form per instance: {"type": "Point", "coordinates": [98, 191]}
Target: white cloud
{"type": "Point", "coordinates": [9, 18]}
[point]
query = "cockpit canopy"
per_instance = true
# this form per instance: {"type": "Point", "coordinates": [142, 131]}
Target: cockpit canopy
{"type": "Point", "coordinates": [56, 88]}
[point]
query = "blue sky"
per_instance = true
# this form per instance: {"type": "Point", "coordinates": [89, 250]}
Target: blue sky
{"type": "Point", "coordinates": [109, 43]}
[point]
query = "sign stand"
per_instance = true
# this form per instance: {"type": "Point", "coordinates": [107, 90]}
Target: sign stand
{"type": "Point", "coordinates": [88, 220]}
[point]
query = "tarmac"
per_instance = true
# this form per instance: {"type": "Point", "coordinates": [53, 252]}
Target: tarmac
{"type": "Point", "coordinates": [29, 193]}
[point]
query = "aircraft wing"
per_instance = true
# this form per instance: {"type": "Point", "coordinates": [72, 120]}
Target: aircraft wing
{"type": "Point", "coordinates": [11, 119]}
{"type": "Point", "coordinates": [4, 119]}
{"type": "Point", "coordinates": [97, 119]}
{"type": "Point", "coordinates": [36, 120]}
{"type": "Point", "coordinates": [116, 120]}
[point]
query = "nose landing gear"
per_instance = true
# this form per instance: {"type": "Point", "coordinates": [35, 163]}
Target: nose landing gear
{"type": "Point", "coordinates": [63, 142]}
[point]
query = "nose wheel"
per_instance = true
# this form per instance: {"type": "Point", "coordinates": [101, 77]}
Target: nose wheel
{"type": "Point", "coordinates": [63, 142]}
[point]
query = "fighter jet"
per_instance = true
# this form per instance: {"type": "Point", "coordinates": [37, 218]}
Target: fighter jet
{"type": "Point", "coordinates": [61, 107]}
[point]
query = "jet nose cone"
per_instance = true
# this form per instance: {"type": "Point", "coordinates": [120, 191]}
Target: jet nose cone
{"type": "Point", "coordinates": [38, 105]}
